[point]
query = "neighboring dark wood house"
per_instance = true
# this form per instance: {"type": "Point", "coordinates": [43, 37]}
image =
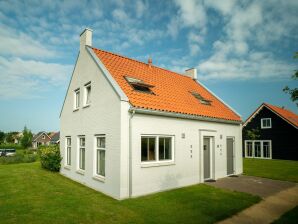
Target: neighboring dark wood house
{"type": "Point", "coordinates": [277, 134]}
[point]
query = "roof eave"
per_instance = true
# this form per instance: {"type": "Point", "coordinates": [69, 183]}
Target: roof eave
{"type": "Point", "coordinates": [181, 115]}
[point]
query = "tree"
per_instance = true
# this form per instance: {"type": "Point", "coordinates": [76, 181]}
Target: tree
{"type": "Point", "coordinates": [2, 137]}
{"type": "Point", "coordinates": [10, 137]}
{"type": "Point", "coordinates": [293, 92]}
{"type": "Point", "coordinates": [26, 140]}
{"type": "Point", "coordinates": [252, 134]}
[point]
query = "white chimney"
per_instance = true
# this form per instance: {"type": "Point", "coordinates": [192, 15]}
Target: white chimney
{"type": "Point", "coordinates": [85, 38]}
{"type": "Point", "coordinates": [192, 73]}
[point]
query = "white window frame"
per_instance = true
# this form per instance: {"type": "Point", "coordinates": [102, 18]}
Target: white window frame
{"type": "Point", "coordinates": [157, 162]}
{"type": "Point", "coordinates": [266, 119]}
{"type": "Point", "coordinates": [86, 96]}
{"type": "Point", "coordinates": [76, 104]}
{"type": "Point", "coordinates": [96, 175]}
{"type": "Point", "coordinates": [253, 149]}
{"type": "Point", "coordinates": [67, 151]}
{"type": "Point", "coordinates": [79, 160]}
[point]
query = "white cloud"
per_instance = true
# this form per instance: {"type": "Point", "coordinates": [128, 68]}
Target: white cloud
{"type": "Point", "coordinates": [21, 78]}
{"type": "Point", "coordinates": [192, 13]}
{"type": "Point", "coordinates": [16, 43]}
{"type": "Point", "coordinates": [141, 7]}
{"type": "Point", "coordinates": [224, 7]}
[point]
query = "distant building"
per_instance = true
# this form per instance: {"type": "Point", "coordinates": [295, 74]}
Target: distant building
{"type": "Point", "coordinates": [41, 138]}
{"type": "Point", "coordinates": [55, 138]}
{"type": "Point", "coordinates": [278, 134]}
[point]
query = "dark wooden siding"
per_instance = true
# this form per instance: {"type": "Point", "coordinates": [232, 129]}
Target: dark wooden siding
{"type": "Point", "coordinates": [283, 135]}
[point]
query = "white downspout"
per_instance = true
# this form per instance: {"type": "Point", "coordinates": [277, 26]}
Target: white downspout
{"type": "Point", "coordinates": [130, 153]}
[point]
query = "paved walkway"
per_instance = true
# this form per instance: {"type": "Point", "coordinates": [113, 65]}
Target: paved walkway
{"type": "Point", "coordinates": [268, 210]}
{"type": "Point", "coordinates": [262, 187]}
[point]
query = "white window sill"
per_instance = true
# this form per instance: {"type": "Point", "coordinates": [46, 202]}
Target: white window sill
{"type": "Point", "coordinates": [99, 178]}
{"type": "Point", "coordinates": [74, 110]}
{"type": "Point", "coordinates": [159, 163]}
{"type": "Point", "coordinates": [67, 167]}
{"type": "Point", "coordinates": [82, 172]}
{"type": "Point", "coordinates": [87, 105]}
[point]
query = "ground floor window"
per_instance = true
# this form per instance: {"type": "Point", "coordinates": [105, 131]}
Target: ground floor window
{"type": "Point", "coordinates": [68, 151]}
{"type": "Point", "coordinates": [156, 148]}
{"type": "Point", "coordinates": [101, 155]}
{"type": "Point", "coordinates": [82, 153]}
{"type": "Point", "coordinates": [258, 149]}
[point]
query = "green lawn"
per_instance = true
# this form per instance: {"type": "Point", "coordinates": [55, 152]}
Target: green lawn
{"type": "Point", "coordinates": [30, 194]}
{"type": "Point", "coordinates": [273, 169]}
{"type": "Point", "coordinates": [291, 217]}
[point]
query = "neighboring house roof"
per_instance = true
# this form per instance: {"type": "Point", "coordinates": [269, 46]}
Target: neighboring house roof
{"type": "Point", "coordinates": [39, 134]}
{"type": "Point", "coordinates": [285, 114]}
{"type": "Point", "coordinates": [172, 91]}
{"type": "Point", "coordinates": [55, 137]}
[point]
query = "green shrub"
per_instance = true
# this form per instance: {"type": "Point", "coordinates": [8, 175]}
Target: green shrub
{"type": "Point", "coordinates": [22, 156]}
{"type": "Point", "coordinates": [50, 157]}
{"type": "Point", "coordinates": [10, 146]}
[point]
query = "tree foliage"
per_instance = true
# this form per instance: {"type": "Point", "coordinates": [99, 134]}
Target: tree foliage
{"type": "Point", "coordinates": [26, 140]}
{"type": "Point", "coordinates": [10, 136]}
{"type": "Point", "coordinates": [252, 134]}
{"type": "Point", "coordinates": [2, 137]}
{"type": "Point", "coordinates": [293, 91]}
{"type": "Point", "coordinates": [50, 157]}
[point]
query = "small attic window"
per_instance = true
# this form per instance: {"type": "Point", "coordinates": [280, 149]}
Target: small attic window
{"type": "Point", "coordinates": [139, 85]}
{"type": "Point", "coordinates": [201, 99]}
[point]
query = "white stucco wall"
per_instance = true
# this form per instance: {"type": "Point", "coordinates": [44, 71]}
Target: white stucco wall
{"type": "Point", "coordinates": [185, 170]}
{"type": "Point", "coordinates": [101, 117]}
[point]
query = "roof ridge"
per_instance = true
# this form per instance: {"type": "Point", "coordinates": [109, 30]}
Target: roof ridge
{"type": "Point", "coordinates": [132, 59]}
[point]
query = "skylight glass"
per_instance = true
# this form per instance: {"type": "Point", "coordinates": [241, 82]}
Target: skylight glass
{"type": "Point", "coordinates": [201, 99]}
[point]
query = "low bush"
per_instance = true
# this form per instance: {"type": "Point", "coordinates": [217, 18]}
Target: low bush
{"type": "Point", "coordinates": [50, 157]}
{"type": "Point", "coordinates": [22, 156]}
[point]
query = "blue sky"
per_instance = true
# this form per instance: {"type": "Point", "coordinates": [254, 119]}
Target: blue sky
{"type": "Point", "coordinates": [243, 50]}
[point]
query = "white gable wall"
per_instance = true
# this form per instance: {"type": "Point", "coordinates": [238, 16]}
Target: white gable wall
{"type": "Point", "coordinates": [185, 170]}
{"type": "Point", "coordinates": [101, 117]}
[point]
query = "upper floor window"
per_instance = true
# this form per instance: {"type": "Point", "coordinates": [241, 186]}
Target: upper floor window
{"type": "Point", "coordinates": [156, 148]}
{"type": "Point", "coordinates": [43, 137]}
{"type": "Point", "coordinates": [88, 93]}
{"type": "Point", "coordinates": [266, 123]}
{"type": "Point", "coordinates": [77, 99]}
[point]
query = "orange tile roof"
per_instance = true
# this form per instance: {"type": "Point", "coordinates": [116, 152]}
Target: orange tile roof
{"type": "Point", "coordinates": [171, 90]}
{"type": "Point", "coordinates": [285, 114]}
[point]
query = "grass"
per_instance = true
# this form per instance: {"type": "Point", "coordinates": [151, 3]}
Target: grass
{"type": "Point", "coordinates": [290, 217]}
{"type": "Point", "coordinates": [274, 169]}
{"type": "Point", "coordinates": [30, 194]}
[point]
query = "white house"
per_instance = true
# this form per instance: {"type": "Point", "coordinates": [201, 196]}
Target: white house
{"type": "Point", "coordinates": [130, 128]}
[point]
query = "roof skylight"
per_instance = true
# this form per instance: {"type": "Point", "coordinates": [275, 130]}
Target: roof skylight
{"type": "Point", "coordinates": [139, 85]}
{"type": "Point", "coordinates": [201, 99]}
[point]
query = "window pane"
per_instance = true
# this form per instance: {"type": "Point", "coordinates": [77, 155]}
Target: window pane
{"type": "Point", "coordinates": [82, 141]}
{"type": "Point", "coordinates": [257, 149]}
{"type": "Point", "coordinates": [168, 148]}
{"type": "Point", "coordinates": [77, 99]}
{"type": "Point", "coordinates": [165, 148]}
{"type": "Point", "coordinates": [68, 140]}
{"type": "Point", "coordinates": [161, 150]}
{"type": "Point", "coordinates": [266, 150]}
{"type": "Point", "coordinates": [102, 162]}
{"type": "Point", "coordinates": [249, 149]}
{"type": "Point", "coordinates": [97, 162]}
{"type": "Point", "coordinates": [101, 142]}
{"type": "Point", "coordinates": [88, 91]}
{"type": "Point", "coordinates": [68, 155]}
{"type": "Point", "coordinates": [144, 152]}
{"type": "Point", "coordinates": [82, 158]}
{"type": "Point", "coordinates": [151, 149]}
